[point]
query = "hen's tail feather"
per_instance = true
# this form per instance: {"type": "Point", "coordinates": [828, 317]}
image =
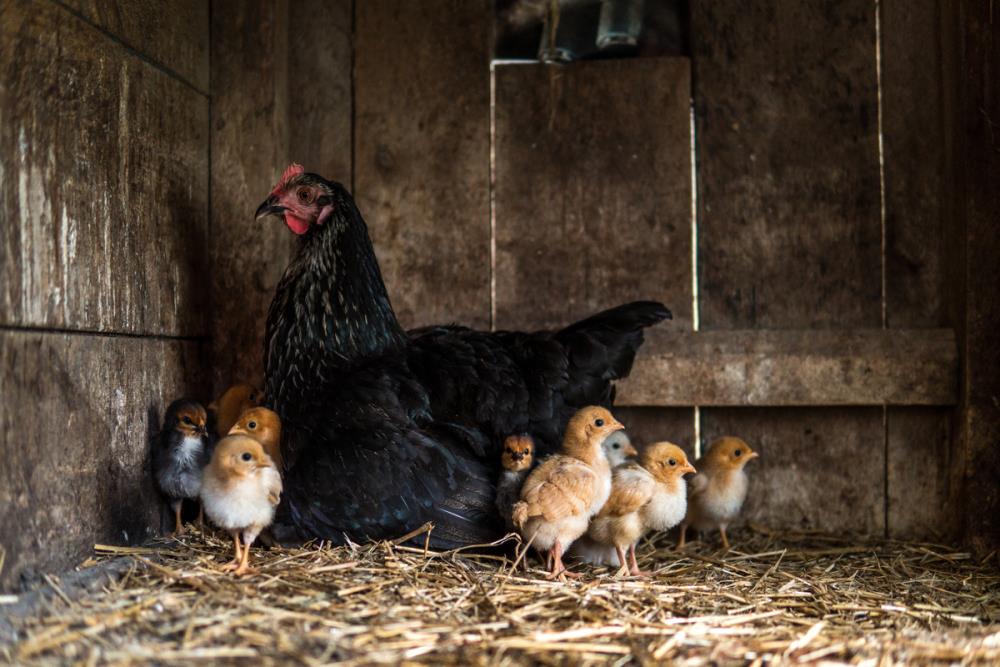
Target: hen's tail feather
{"type": "Point", "coordinates": [602, 348]}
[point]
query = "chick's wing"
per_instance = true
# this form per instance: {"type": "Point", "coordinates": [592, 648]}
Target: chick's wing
{"type": "Point", "coordinates": [631, 488]}
{"type": "Point", "coordinates": [559, 488]}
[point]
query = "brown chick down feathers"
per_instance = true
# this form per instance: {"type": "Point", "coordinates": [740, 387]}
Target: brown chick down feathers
{"type": "Point", "coordinates": [568, 488]}
{"type": "Point", "coordinates": [264, 426]}
{"type": "Point", "coordinates": [240, 490]}
{"type": "Point", "coordinates": [719, 489]}
{"type": "Point", "coordinates": [650, 496]}
{"type": "Point", "coordinates": [228, 407]}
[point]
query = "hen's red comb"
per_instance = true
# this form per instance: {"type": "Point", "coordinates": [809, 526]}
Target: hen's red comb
{"type": "Point", "coordinates": [291, 171]}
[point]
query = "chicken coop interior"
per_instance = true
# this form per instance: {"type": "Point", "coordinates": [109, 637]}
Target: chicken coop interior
{"type": "Point", "coordinates": [812, 188]}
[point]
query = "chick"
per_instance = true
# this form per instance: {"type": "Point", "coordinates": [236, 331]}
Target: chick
{"type": "Point", "coordinates": [264, 426]}
{"type": "Point", "coordinates": [228, 407]}
{"type": "Point", "coordinates": [644, 497]}
{"type": "Point", "coordinates": [180, 453]}
{"type": "Point", "coordinates": [719, 489]}
{"type": "Point", "coordinates": [568, 488]}
{"type": "Point", "coordinates": [240, 491]}
{"type": "Point", "coordinates": [517, 458]}
{"type": "Point", "coordinates": [618, 447]}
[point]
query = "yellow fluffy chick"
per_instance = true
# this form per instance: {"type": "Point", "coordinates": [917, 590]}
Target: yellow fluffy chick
{"type": "Point", "coordinates": [566, 489]}
{"type": "Point", "coordinates": [240, 491]}
{"type": "Point", "coordinates": [645, 496]}
{"type": "Point", "coordinates": [228, 407]}
{"type": "Point", "coordinates": [719, 489]}
{"type": "Point", "coordinates": [264, 426]}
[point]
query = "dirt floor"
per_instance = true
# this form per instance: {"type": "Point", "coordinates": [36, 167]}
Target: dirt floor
{"type": "Point", "coordinates": [773, 598]}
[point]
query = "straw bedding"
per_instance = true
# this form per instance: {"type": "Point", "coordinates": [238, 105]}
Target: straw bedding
{"type": "Point", "coordinates": [773, 598]}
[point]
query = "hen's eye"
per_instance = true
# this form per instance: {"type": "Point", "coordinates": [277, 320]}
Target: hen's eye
{"type": "Point", "coordinates": [252, 425]}
{"type": "Point", "coordinates": [599, 422]}
{"type": "Point", "coordinates": [672, 462]}
{"type": "Point", "coordinates": [187, 420]}
{"type": "Point", "coordinates": [738, 453]}
{"type": "Point", "coordinates": [246, 456]}
{"type": "Point", "coordinates": [304, 195]}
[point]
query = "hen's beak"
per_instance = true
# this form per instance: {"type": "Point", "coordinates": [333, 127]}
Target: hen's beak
{"type": "Point", "coordinates": [269, 207]}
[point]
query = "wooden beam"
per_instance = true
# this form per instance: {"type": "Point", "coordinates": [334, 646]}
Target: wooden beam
{"type": "Point", "coordinates": [794, 368]}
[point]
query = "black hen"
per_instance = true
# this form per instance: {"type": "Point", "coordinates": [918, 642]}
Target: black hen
{"type": "Point", "coordinates": [387, 429]}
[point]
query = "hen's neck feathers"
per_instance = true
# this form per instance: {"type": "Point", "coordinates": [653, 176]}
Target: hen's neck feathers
{"type": "Point", "coordinates": [331, 309]}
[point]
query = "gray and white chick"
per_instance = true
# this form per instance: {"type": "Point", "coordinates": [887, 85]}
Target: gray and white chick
{"type": "Point", "coordinates": [181, 451]}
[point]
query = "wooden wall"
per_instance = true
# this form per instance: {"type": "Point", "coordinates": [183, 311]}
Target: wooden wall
{"type": "Point", "coordinates": [104, 193]}
{"type": "Point", "coordinates": [829, 255]}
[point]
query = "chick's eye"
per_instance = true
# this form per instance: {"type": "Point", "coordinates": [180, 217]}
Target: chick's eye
{"type": "Point", "coordinates": [252, 425]}
{"type": "Point", "coordinates": [599, 422]}
{"type": "Point", "coordinates": [672, 462]}
{"type": "Point", "coordinates": [616, 446]}
{"type": "Point", "coordinates": [186, 420]}
{"type": "Point", "coordinates": [246, 456]}
{"type": "Point", "coordinates": [738, 453]}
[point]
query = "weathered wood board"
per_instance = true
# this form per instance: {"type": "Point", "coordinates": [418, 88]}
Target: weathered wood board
{"type": "Point", "coordinates": [921, 456]}
{"type": "Point", "coordinates": [104, 185]}
{"type": "Point", "coordinates": [789, 229]}
{"type": "Point", "coordinates": [319, 86]}
{"type": "Point", "coordinates": [794, 367]}
{"type": "Point", "coordinates": [250, 131]}
{"type": "Point", "coordinates": [422, 152]}
{"type": "Point", "coordinates": [174, 34]}
{"type": "Point", "coordinates": [74, 429]}
{"type": "Point", "coordinates": [646, 425]}
{"type": "Point", "coordinates": [593, 189]}
{"type": "Point", "coordinates": [819, 468]}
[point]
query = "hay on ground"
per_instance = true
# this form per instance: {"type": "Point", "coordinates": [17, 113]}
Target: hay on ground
{"type": "Point", "coordinates": [790, 598]}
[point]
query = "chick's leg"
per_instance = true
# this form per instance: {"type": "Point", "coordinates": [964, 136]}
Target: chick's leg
{"type": "Point", "coordinates": [201, 517]}
{"type": "Point", "coordinates": [558, 569]}
{"type": "Point", "coordinates": [237, 553]}
{"type": "Point", "coordinates": [725, 540]}
{"type": "Point", "coordinates": [684, 530]}
{"type": "Point", "coordinates": [244, 567]}
{"type": "Point", "coordinates": [176, 506]}
{"type": "Point", "coordinates": [633, 565]}
{"type": "Point", "coordinates": [622, 562]}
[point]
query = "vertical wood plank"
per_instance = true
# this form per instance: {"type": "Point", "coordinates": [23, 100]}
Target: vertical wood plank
{"type": "Point", "coordinates": [788, 179]}
{"type": "Point", "coordinates": [593, 189]}
{"type": "Point", "coordinates": [74, 435]}
{"type": "Point", "coordinates": [249, 151]}
{"type": "Point", "coordinates": [173, 35]}
{"type": "Point", "coordinates": [789, 231]}
{"type": "Point", "coordinates": [920, 456]}
{"type": "Point", "coordinates": [819, 468]}
{"type": "Point", "coordinates": [319, 86]}
{"type": "Point", "coordinates": [422, 109]}
{"type": "Point", "coordinates": [104, 185]}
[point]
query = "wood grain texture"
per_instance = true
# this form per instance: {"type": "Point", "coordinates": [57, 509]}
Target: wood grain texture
{"type": "Point", "coordinates": [920, 459]}
{"type": "Point", "coordinates": [593, 189]}
{"type": "Point", "coordinates": [794, 367]}
{"type": "Point", "coordinates": [174, 34]}
{"type": "Point", "coordinates": [819, 468]}
{"type": "Point", "coordinates": [422, 151]}
{"type": "Point", "coordinates": [921, 455]}
{"type": "Point", "coordinates": [74, 427]}
{"type": "Point", "coordinates": [319, 86]}
{"type": "Point", "coordinates": [978, 162]}
{"type": "Point", "coordinates": [915, 179]}
{"type": "Point", "coordinates": [788, 181]}
{"type": "Point", "coordinates": [104, 183]}
{"type": "Point", "coordinates": [250, 139]}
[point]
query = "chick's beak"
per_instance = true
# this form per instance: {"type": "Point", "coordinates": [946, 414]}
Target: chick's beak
{"type": "Point", "coordinates": [269, 207]}
{"type": "Point", "coordinates": [631, 451]}
{"type": "Point", "coordinates": [688, 468]}
{"type": "Point", "coordinates": [752, 455]}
